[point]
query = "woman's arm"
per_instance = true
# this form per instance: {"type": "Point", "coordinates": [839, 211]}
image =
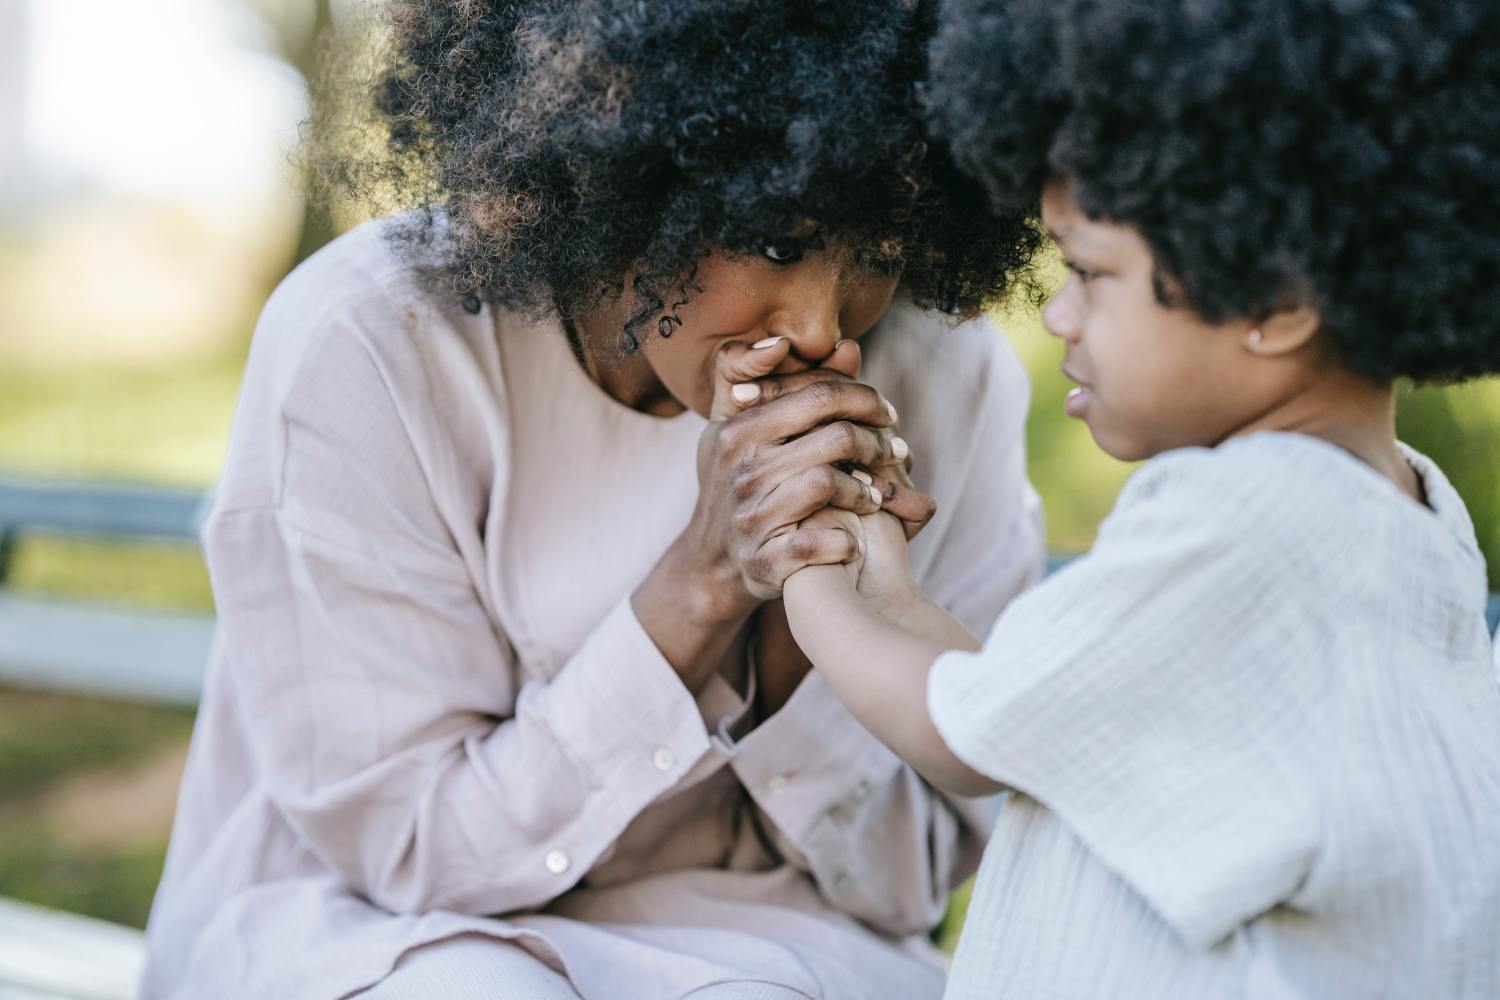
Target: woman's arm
{"type": "Point", "coordinates": [390, 721]}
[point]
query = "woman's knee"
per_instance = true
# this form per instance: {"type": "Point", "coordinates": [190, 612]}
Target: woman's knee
{"type": "Point", "coordinates": [745, 990]}
{"type": "Point", "coordinates": [470, 965]}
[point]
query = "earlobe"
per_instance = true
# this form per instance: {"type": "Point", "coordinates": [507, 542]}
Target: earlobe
{"type": "Point", "coordinates": [1284, 331]}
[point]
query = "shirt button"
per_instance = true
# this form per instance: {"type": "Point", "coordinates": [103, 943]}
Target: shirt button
{"type": "Point", "coordinates": [842, 882]}
{"type": "Point", "coordinates": [861, 792]}
{"type": "Point", "coordinates": [557, 862]}
{"type": "Point", "coordinates": [776, 784]}
{"type": "Point", "coordinates": [663, 759]}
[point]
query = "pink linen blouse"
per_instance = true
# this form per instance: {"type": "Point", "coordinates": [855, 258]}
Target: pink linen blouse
{"type": "Point", "coordinates": [431, 709]}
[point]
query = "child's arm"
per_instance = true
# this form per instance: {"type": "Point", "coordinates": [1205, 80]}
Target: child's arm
{"type": "Point", "coordinates": [875, 652]}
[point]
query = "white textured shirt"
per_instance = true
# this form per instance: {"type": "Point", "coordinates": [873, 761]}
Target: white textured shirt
{"type": "Point", "coordinates": [1255, 742]}
{"type": "Point", "coordinates": [432, 711]}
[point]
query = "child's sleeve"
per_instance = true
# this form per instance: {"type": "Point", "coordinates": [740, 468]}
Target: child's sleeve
{"type": "Point", "coordinates": [1162, 696]}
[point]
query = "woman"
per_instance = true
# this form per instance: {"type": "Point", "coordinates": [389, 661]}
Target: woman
{"type": "Point", "coordinates": [504, 703]}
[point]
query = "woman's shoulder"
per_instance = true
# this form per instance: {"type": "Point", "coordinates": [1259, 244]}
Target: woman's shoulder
{"type": "Point", "coordinates": [360, 280]}
{"type": "Point", "coordinates": [363, 294]}
{"type": "Point", "coordinates": [351, 341]}
{"type": "Point", "coordinates": [929, 360]}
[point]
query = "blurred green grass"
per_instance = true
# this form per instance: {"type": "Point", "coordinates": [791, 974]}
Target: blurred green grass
{"type": "Point", "coordinates": [165, 424]}
{"type": "Point", "coordinates": [116, 884]}
{"type": "Point", "coordinates": [161, 423]}
{"type": "Point", "coordinates": [44, 739]}
{"type": "Point", "coordinates": [45, 736]}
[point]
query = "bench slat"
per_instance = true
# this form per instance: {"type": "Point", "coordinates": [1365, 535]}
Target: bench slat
{"type": "Point", "coordinates": [49, 953]}
{"type": "Point", "coordinates": [106, 650]}
{"type": "Point", "coordinates": [104, 509]}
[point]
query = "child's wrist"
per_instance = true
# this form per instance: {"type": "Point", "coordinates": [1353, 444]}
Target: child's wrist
{"type": "Point", "coordinates": [817, 583]}
{"type": "Point", "coordinates": [899, 606]}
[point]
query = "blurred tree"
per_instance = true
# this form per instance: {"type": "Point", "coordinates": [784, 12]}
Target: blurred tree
{"type": "Point", "coordinates": [300, 28]}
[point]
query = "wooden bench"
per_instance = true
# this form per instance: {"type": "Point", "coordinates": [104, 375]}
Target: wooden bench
{"type": "Point", "coordinates": [97, 648]}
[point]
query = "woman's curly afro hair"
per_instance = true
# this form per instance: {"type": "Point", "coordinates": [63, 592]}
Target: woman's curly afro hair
{"type": "Point", "coordinates": [563, 145]}
{"type": "Point", "coordinates": [1343, 154]}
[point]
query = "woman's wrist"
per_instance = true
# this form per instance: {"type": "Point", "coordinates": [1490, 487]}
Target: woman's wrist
{"type": "Point", "coordinates": [711, 591]}
{"type": "Point", "coordinates": [691, 614]}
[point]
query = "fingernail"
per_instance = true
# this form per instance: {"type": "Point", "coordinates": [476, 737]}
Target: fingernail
{"type": "Point", "coordinates": [745, 392]}
{"type": "Point", "coordinates": [899, 449]}
{"type": "Point", "coordinates": [891, 410]}
{"type": "Point", "coordinates": [875, 494]}
{"type": "Point", "coordinates": [862, 476]}
{"type": "Point", "coordinates": [768, 342]}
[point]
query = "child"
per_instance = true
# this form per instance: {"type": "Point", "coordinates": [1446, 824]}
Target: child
{"type": "Point", "coordinates": [1253, 737]}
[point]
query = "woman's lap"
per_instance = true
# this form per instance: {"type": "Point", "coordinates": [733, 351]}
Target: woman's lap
{"type": "Point", "coordinates": [479, 967]}
{"type": "Point", "coordinates": [746, 991]}
{"type": "Point", "coordinates": [470, 967]}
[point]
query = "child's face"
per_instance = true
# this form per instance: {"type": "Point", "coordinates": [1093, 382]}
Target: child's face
{"type": "Point", "coordinates": [1150, 377]}
{"type": "Point", "coordinates": [813, 301]}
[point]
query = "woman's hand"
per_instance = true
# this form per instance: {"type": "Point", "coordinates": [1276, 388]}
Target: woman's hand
{"type": "Point", "coordinates": [781, 664]}
{"type": "Point", "coordinates": [762, 470]}
{"type": "Point", "coordinates": [765, 465]}
{"type": "Point", "coordinates": [746, 382]}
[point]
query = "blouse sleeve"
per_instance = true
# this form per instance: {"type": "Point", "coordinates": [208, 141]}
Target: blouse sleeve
{"type": "Point", "coordinates": [880, 842]}
{"type": "Point", "coordinates": [382, 704]}
{"type": "Point", "coordinates": [1160, 696]}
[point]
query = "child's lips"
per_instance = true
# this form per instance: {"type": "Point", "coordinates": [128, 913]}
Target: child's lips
{"type": "Point", "coordinates": [1078, 399]}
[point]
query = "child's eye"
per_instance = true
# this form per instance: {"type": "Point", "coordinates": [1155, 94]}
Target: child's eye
{"type": "Point", "coordinates": [1084, 274]}
{"type": "Point", "coordinates": [782, 253]}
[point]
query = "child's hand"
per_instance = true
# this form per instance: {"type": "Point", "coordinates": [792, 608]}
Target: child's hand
{"type": "Point", "coordinates": [885, 578]}
{"type": "Point", "coordinates": [851, 524]}
{"type": "Point", "coordinates": [880, 573]}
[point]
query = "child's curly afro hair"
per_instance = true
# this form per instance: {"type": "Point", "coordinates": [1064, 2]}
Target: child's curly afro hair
{"type": "Point", "coordinates": [563, 145]}
{"type": "Point", "coordinates": [1338, 153]}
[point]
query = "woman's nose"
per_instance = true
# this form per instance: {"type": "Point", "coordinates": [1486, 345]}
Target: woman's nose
{"type": "Point", "coordinates": [809, 318]}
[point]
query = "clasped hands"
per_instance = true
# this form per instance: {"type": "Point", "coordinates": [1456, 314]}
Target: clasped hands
{"type": "Point", "coordinates": [818, 476]}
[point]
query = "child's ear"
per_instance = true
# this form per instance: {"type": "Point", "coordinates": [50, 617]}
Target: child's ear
{"type": "Point", "coordinates": [1284, 332]}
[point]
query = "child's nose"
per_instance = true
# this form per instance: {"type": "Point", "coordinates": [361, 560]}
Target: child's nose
{"type": "Point", "coordinates": [1060, 318]}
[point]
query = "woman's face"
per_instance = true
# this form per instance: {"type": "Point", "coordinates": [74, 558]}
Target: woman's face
{"type": "Point", "coordinates": [809, 295]}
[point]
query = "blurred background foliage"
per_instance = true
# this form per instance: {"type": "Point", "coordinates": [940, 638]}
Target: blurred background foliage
{"type": "Point", "coordinates": [147, 208]}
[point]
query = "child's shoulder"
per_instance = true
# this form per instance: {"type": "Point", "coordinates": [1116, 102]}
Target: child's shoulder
{"type": "Point", "coordinates": [1269, 492]}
